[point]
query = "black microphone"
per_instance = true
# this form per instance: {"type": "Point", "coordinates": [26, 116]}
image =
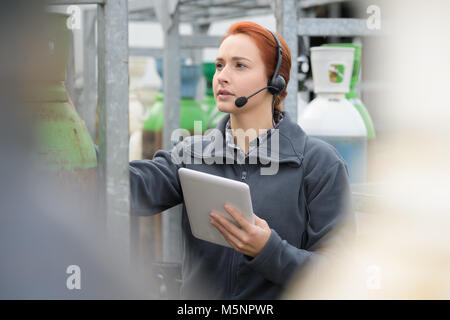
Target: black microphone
{"type": "Point", "coordinates": [241, 101]}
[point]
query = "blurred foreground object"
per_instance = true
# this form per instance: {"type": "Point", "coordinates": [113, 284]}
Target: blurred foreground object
{"type": "Point", "coordinates": [403, 250]}
{"type": "Point", "coordinates": [52, 246]}
{"type": "Point", "coordinates": [398, 256]}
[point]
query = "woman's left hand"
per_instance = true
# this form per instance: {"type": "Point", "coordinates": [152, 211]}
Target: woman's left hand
{"type": "Point", "coordinates": [249, 239]}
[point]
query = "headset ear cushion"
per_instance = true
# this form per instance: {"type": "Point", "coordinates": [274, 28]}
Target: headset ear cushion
{"type": "Point", "coordinates": [279, 83]}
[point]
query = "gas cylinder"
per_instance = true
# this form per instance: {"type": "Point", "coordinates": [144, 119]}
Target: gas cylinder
{"type": "Point", "coordinates": [209, 103]}
{"type": "Point", "coordinates": [190, 111]}
{"type": "Point", "coordinates": [136, 112]}
{"type": "Point", "coordinates": [330, 116]}
{"type": "Point", "coordinates": [209, 68]}
{"type": "Point", "coordinates": [353, 95]}
{"type": "Point", "coordinates": [65, 148]}
{"type": "Point", "coordinates": [152, 130]}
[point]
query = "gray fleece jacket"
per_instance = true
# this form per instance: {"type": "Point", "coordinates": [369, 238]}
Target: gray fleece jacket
{"type": "Point", "coordinates": [303, 194]}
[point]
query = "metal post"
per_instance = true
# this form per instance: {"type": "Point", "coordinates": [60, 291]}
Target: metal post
{"type": "Point", "coordinates": [168, 15]}
{"type": "Point", "coordinates": [88, 111]}
{"type": "Point", "coordinates": [197, 57]}
{"type": "Point", "coordinates": [302, 14]}
{"type": "Point", "coordinates": [286, 16]}
{"type": "Point", "coordinates": [334, 12]}
{"type": "Point", "coordinates": [113, 118]}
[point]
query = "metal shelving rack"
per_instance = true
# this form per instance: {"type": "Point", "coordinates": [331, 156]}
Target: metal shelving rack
{"type": "Point", "coordinates": [201, 13]}
{"type": "Point", "coordinates": [113, 16]}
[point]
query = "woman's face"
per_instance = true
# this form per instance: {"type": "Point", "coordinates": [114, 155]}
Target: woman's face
{"type": "Point", "coordinates": [240, 71]}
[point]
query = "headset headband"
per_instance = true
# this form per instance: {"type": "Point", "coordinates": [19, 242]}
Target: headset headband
{"type": "Point", "coordinates": [279, 56]}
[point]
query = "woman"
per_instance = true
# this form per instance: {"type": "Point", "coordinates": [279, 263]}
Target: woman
{"type": "Point", "coordinates": [297, 204]}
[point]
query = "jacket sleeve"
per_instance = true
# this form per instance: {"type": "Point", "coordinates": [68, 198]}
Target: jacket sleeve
{"type": "Point", "coordinates": [329, 202]}
{"type": "Point", "coordinates": [154, 184]}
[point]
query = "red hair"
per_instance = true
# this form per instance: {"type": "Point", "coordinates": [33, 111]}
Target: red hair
{"type": "Point", "coordinates": [264, 40]}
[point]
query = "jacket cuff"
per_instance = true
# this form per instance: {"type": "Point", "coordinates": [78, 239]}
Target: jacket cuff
{"type": "Point", "coordinates": [272, 245]}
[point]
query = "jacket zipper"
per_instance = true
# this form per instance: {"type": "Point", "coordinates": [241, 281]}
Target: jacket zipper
{"type": "Point", "coordinates": [243, 173]}
{"type": "Point", "coordinates": [231, 277]}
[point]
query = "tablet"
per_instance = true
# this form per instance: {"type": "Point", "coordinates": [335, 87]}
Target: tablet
{"type": "Point", "coordinates": [204, 193]}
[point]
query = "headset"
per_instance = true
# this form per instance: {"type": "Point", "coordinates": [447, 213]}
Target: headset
{"type": "Point", "coordinates": [276, 84]}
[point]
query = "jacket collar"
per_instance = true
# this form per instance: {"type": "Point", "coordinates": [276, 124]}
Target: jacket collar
{"type": "Point", "coordinates": [291, 137]}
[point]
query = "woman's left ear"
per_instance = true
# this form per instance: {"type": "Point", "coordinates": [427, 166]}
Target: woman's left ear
{"type": "Point", "coordinates": [279, 83]}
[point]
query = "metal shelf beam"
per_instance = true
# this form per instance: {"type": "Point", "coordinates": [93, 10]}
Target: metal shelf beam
{"type": "Point", "coordinates": [333, 27]}
{"type": "Point", "coordinates": [305, 4]}
{"type": "Point", "coordinates": [76, 2]}
{"type": "Point", "coordinates": [200, 41]}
